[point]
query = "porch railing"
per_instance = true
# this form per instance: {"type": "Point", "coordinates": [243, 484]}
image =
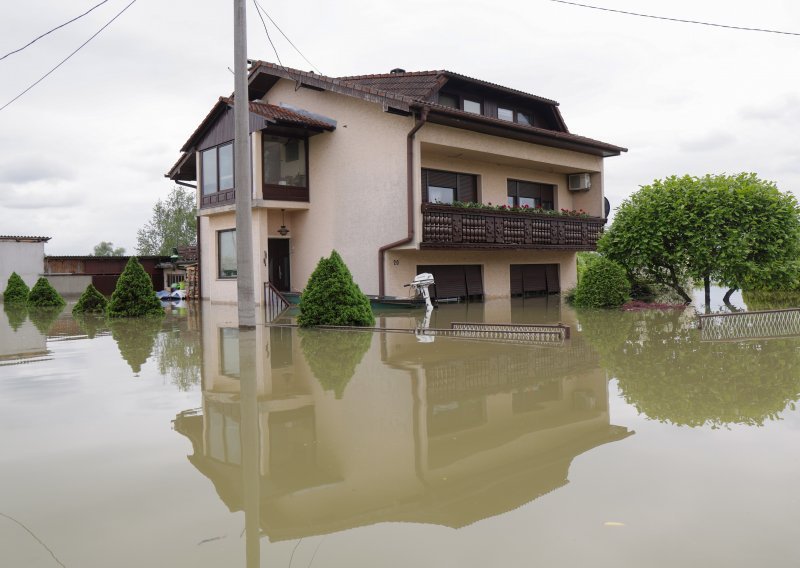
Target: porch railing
{"type": "Point", "coordinates": [444, 226]}
{"type": "Point", "coordinates": [275, 302]}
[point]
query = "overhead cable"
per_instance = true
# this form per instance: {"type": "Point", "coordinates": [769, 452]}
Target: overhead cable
{"type": "Point", "coordinates": [81, 46]}
{"type": "Point", "coordinates": [30, 43]}
{"type": "Point", "coordinates": [266, 31]}
{"type": "Point", "coordinates": [287, 37]}
{"type": "Point", "coordinates": [742, 28]}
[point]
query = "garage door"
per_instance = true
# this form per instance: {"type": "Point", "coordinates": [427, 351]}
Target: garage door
{"type": "Point", "coordinates": [463, 281]}
{"type": "Point", "coordinates": [529, 279]}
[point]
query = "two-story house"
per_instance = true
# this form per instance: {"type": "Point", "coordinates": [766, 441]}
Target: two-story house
{"type": "Point", "coordinates": [389, 170]}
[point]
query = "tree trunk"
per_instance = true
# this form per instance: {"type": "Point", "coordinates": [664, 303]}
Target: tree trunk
{"type": "Point", "coordinates": [726, 299]}
{"type": "Point", "coordinates": [707, 286]}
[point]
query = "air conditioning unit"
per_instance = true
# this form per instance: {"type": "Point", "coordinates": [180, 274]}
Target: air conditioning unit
{"type": "Point", "coordinates": [579, 182]}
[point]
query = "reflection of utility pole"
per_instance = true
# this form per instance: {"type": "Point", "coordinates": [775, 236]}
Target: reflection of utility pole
{"type": "Point", "coordinates": [251, 446]}
{"type": "Point", "coordinates": [242, 175]}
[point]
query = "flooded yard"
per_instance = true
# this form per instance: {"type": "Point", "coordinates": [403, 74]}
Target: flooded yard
{"type": "Point", "coordinates": [186, 442]}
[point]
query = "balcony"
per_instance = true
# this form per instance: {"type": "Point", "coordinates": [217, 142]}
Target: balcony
{"type": "Point", "coordinates": [447, 227]}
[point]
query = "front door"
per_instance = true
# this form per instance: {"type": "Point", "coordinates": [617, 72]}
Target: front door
{"type": "Point", "coordinates": [278, 253]}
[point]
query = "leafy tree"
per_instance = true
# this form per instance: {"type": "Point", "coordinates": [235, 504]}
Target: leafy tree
{"type": "Point", "coordinates": [173, 224]}
{"type": "Point", "coordinates": [43, 295]}
{"type": "Point", "coordinates": [333, 357]}
{"type": "Point", "coordinates": [604, 285]}
{"type": "Point", "coordinates": [16, 291]}
{"type": "Point", "coordinates": [90, 302]}
{"type": "Point", "coordinates": [332, 298]}
{"type": "Point", "coordinates": [106, 248]}
{"type": "Point", "coordinates": [738, 231]}
{"type": "Point", "coordinates": [134, 295]}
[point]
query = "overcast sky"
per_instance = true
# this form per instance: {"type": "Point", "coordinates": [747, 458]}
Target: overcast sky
{"type": "Point", "coordinates": [84, 152]}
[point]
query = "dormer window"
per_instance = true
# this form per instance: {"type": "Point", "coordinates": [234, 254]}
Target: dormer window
{"type": "Point", "coordinates": [505, 114]}
{"type": "Point", "coordinates": [524, 118]}
{"type": "Point", "coordinates": [512, 115]}
{"type": "Point", "coordinates": [473, 106]}
{"type": "Point", "coordinates": [448, 100]}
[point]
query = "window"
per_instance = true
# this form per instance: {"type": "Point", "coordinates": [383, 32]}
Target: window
{"type": "Point", "coordinates": [217, 168]}
{"type": "Point", "coordinates": [473, 106]}
{"type": "Point", "coordinates": [524, 118]}
{"type": "Point", "coordinates": [446, 187]}
{"type": "Point", "coordinates": [448, 100]}
{"type": "Point", "coordinates": [284, 161]}
{"type": "Point", "coordinates": [226, 253]}
{"type": "Point", "coordinates": [505, 114]}
{"type": "Point", "coordinates": [522, 193]}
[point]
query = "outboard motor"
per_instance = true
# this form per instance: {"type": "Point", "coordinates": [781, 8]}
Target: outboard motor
{"type": "Point", "coordinates": [420, 285]}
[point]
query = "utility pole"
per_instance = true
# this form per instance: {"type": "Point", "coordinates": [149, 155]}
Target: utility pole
{"type": "Point", "coordinates": [244, 185]}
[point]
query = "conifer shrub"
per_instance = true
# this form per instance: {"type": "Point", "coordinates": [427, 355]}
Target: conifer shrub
{"type": "Point", "coordinates": [332, 298]}
{"type": "Point", "coordinates": [16, 291]}
{"type": "Point", "coordinates": [43, 295]}
{"type": "Point", "coordinates": [90, 302]}
{"type": "Point", "coordinates": [134, 295]}
{"type": "Point", "coordinates": [604, 285]}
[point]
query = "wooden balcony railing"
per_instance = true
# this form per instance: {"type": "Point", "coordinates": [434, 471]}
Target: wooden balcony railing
{"type": "Point", "coordinates": [445, 226]}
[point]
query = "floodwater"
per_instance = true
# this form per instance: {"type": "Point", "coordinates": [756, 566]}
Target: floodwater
{"type": "Point", "coordinates": [635, 443]}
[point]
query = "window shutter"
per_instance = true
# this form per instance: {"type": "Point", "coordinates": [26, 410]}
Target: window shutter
{"type": "Point", "coordinates": [467, 190]}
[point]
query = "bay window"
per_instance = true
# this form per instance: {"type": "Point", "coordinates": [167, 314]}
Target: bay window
{"type": "Point", "coordinates": [216, 168]}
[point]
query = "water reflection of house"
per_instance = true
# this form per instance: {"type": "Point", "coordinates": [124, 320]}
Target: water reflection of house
{"type": "Point", "coordinates": [449, 435]}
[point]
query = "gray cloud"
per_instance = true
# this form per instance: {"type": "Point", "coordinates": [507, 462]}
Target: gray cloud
{"type": "Point", "coordinates": [27, 170]}
{"type": "Point", "coordinates": [710, 141]}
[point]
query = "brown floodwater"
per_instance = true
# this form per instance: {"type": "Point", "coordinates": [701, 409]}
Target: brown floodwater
{"type": "Point", "coordinates": [638, 442]}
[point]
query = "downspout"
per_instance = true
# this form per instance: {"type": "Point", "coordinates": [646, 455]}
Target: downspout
{"type": "Point", "coordinates": [420, 121]}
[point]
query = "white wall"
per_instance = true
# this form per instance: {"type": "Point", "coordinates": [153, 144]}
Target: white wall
{"type": "Point", "coordinates": [24, 258]}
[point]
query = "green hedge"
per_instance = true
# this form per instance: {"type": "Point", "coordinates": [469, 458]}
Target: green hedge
{"type": "Point", "coordinates": [604, 285]}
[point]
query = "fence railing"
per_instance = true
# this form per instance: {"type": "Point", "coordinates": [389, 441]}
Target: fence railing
{"type": "Point", "coordinates": [445, 226]}
{"type": "Point", "coordinates": [275, 302]}
{"type": "Point", "coordinates": [737, 326]}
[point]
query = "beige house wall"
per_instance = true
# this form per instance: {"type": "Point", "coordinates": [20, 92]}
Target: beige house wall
{"type": "Point", "coordinates": [357, 189]}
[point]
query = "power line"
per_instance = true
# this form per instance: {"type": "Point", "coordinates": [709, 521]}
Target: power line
{"type": "Point", "coordinates": [30, 43]}
{"type": "Point", "coordinates": [81, 46]}
{"type": "Point", "coordinates": [677, 19]}
{"type": "Point", "coordinates": [267, 32]}
{"type": "Point", "coordinates": [258, 5]}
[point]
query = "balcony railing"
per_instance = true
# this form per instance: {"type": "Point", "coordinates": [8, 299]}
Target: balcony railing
{"type": "Point", "coordinates": [444, 226]}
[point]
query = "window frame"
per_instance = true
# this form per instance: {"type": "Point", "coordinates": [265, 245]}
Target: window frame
{"type": "Point", "coordinates": [539, 185]}
{"type": "Point", "coordinates": [220, 272]}
{"type": "Point", "coordinates": [203, 173]}
{"type": "Point", "coordinates": [286, 192]}
{"type": "Point", "coordinates": [426, 184]}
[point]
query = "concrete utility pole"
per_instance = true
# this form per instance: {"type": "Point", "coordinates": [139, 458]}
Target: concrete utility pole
{"type": "Point", "coordinates": [242, 173]}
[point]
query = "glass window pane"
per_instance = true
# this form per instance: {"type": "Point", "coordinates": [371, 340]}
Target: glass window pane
{"type": "Point", "coordinates": [529, 201]}
{"type": "Point", "coordinates": [226, 167]}
{"type": "Point", "coordinates": [441, 194]}
{"type": "Point", "coordinates": [472, 106]}
{"type": "Point", "coordinates": [227, 253]}
{"type": "Point", "coordinates": [284, 161]}
{"type": "Point", "coordinates": [505, 114]}
{"type": "Point", "coordinates": [524, 118]}
{"type": "Point", "coordinates": [209, 170]}
{"type": "Point", "coordinates": [448, 100]}
{"type": "Point", "coordinates": [512, 201]}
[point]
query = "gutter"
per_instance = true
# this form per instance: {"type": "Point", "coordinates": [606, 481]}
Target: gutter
{"type": "Point", "coordinates": [420, 121]}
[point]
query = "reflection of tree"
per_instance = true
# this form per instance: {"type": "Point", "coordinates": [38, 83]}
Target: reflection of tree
{"type": "Point", "coordinates": [334, 355]}
{"type": "Point", "coordinates": [16, 314]}
{"type": "Point", "coordinates": [44, 318]}
{"type": "Point", "coordinates": [91, 325]}
{"type": "Point", "coordinates": [771, 300]}
{"type": "Point", "coordinates": [668, 374]}
{"type": "Point", "coordinates": [135, 338]}
{"type": "Point", "coordinates": [179, 355]}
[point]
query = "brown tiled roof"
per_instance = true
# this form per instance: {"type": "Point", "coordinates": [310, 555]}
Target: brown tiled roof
{"type": "Point", "coordinates": [24, 239]}
{"type": "Point", "coordinates": [422, 85]}
{"type": "Point", "coordinates": [284, 115]}
{"type": "Point", "coordinates": [419, 85]}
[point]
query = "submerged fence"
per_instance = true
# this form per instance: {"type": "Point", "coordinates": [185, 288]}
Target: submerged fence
{"type": "Point", "coordinates": [737, 326]}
